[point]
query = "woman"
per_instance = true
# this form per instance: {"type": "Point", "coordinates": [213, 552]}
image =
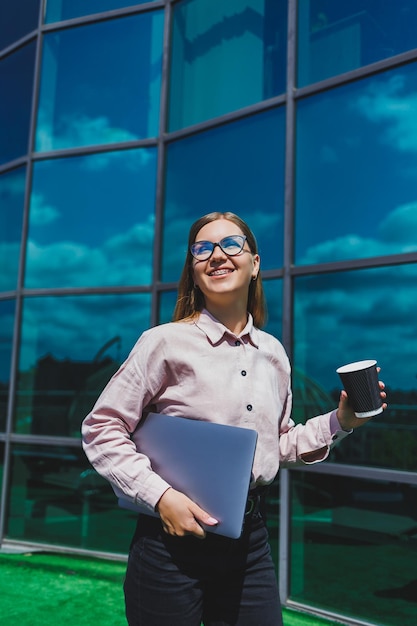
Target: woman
{"type": "Point", "coordinates": [212, 363]}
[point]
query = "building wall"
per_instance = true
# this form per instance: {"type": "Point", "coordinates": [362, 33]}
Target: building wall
{"type": "Point", "coordinates": [122, 123]}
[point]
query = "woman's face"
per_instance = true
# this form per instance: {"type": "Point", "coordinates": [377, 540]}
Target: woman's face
{"type": "Point", "coordinates": [224, 280]}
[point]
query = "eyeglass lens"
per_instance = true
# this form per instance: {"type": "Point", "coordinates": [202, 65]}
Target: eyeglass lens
{"type": "Point", "coordinates": [232, 245]}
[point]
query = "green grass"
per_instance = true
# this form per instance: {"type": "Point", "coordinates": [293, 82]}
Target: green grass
{"type": "Point", "coordinates": [39, 589]}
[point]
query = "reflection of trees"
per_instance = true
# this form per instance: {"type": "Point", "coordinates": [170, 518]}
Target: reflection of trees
{"type": "Point", "coordinates": [389, 440]}
{"type": "Point", "coordinates": [56, 395]}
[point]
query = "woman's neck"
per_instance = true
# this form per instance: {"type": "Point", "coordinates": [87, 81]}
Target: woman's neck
{"type": "Point", "coordinates": [234, 318]}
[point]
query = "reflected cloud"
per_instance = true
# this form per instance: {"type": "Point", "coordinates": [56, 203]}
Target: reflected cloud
{"type": "Point", "coordinates": [82, 131]}
{"type": "Point", "coordinates": [397, 233]}
{"type": "Point", "coordinates": [77, 327]}
{"type": "Point", "coordinates": [124, 259]}
{"type": "Point", "coordinates": [391, 103]}
{"type": "Point", "coordinates": [41, 213]}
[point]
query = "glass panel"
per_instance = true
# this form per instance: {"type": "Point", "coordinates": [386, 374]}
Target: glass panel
{"type": "Point", "coordinates": [57, 498]}
{"type": "Point", "coordinates": [167, 302]}
{"type": "Point", "coordinates": [96, 93]}
{"type": "Point", "coordinates": [353, 547]}
{"type": "Point", "coordinates": [273, 295]}
{"type": "Point", "coordinates": [238, 167]}
{"type": "Point", "coordinates": [7, 311]}
{"type": "Point", "coordinates": [92, 220]}
{"type": "Point", "coordinates": [336, 37]}
{"type": "Point", "coordinates": [226, 55]}
{"type": "Point", "coordinates": [350, 316]}
{"type": "Point", "coordinates": [17, 19]}
{"type": "Point", "coordinates": [16, 84]}
{"type": "Point", "coordinates": [70, 347]}
{"type": "Point", "coordinates": [12, 196]}
{"type": "Point", "coordinates": [355, 176]}
{"type": "Point", "coordinates": [57, 10]}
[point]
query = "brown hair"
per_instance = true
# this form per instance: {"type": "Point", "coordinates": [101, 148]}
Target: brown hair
{"type": "Point", "coordinates": [190, 300]}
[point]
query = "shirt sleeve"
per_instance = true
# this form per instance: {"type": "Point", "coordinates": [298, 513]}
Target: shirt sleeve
{"type": "Point", "coordinates": [106, 430]}
{"type": "Point", "coordinates": [310, 442]}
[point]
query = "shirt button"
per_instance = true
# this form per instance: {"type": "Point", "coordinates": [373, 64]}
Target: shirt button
{"type": "Point", "coordinates": [237, 342]}
{"type": "Point", "coordinates": [243, 372]}
{"type": "Point", "coordinates": [249, 407]}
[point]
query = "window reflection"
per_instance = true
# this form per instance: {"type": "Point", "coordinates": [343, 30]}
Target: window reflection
{"type": "Point", "coordinates": [351, 316]}
{"type": "Point", "coordinates": [57, 10]}
{"type": "Point", "coordinates": [7, 310]}
{"type": "Point", "coordinates": [167, 301]}
{"type": "Point", "coordinates": [80, 103]}
{"type": "Point", "coordinates": [355, 527]}
{"type": "Point", "coordinates": [57, 498]}
{"type": "Point", "coordinates": [91, 220]}
{"type": "Point", "coordinates": [225, 56]}
{"type": "Point", "coordinates": [273, 295]}
{"type": "Point", "coordinates": [360, 31]}
{"type": "Point", "coordinates": [70, 347]}
{"type": "Point", "coordinates": [238, 167]}
{"type": "Point", "coordinates": [17, 19]}
{"type": "Point", "coordinates": [355, 170]}
{"type": "Point", "coordinates": [16, 84]}
{"type": "Point", "coordinates": [12, 195]}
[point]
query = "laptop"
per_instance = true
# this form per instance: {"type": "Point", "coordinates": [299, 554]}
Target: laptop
{"type": "Point", "coordinates": [210, 463]}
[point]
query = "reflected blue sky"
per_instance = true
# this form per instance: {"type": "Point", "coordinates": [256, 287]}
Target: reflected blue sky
{"type": "Point", "coordinates": [12, 195]}
{"type": "Point", "coordinates": [16, 86]}
{"type": "Point", "coordinates": [92, 220]}
{"type": "Point", "coordinates": [350, 316]}
{"type": "Point", "coordinates": [356, 165]}
{"type": "Point", "coordinates": [57, 10]}
{"type": "Point", "coordinates": [17, 19]}
{"type": "Point", "coordinates": [238, 167]}
{"type": "Point", "coordinates": [101, 83]}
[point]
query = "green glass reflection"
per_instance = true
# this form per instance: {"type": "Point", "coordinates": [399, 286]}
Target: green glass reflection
{"type": "Point", "coordinates": [91, 220]}
{"type": "Point", "coordinates": [96, 93]}
{"type": "Point", "coordinates": [70, 348]}
{"type": "Point", "coordinates": [336, 37]}
{"type": "Point", "coordinates": [57, 10]}
{"type": "Point", "coordinates": [7, 312]}
{"type": "Point", "coordinates": [12, 196]}
{"type": "Point", "coordinates": [57, 498]}
{"type": "Point", "coordinates": [17, 19]}
{"type": "Point", "coordinates": [16, 85]}
{"type": "Point", "coordinates": [356, 157]}
{"type": "Point", "coordinates": [237, 167]}
{"type": "Point", "coordinates": [350, 316]}
{"type": "Point", "coordinates": [225, 56]}
{"type": "Point", "coordinates": [353, 547]}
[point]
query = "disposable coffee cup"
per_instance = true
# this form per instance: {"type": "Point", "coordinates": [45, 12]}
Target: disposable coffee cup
{"type": "Point", "coordinates": [360, 380]}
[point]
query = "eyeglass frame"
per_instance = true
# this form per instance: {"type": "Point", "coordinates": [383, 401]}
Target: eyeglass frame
{"type": "Point", "coordinates": [218, 243]}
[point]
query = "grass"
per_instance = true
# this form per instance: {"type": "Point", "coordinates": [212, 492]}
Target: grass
{"type": "Point", "coordinates": [40, 589]}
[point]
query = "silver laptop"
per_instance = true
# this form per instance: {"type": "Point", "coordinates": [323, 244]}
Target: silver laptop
{"type": "Point", "coordinates": [210, 463]}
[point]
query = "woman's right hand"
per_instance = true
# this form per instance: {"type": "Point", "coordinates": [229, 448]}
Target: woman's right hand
{"type": "Point", "coordinates": [181, 516]}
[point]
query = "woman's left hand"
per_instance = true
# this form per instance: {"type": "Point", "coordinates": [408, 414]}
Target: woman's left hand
{"type": "Point", "coordinates": [346, 415]}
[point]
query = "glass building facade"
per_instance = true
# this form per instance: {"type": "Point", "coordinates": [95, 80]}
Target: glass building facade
{"type": "Point", "coordinates": [122, 122]}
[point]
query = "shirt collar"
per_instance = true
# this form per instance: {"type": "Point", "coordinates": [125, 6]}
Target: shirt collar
{"type": "Point", "coordinates": [215, 330]}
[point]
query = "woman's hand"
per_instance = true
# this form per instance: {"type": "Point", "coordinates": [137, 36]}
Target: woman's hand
{"type": "Point", "coordinates": [181, 516]}
{"type": "Point", "coordinates": [345, 414]}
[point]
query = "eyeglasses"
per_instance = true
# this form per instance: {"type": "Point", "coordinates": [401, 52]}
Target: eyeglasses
{"type": "Point", "coordinates": [232, 245]}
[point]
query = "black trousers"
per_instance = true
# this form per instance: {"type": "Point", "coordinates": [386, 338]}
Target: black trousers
{"type": "Point", "coordinates": [185, 581]}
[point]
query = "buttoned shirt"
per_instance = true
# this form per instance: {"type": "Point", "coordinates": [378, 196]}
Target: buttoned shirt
{"type": "Point", "coordinates": [201, 370]}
